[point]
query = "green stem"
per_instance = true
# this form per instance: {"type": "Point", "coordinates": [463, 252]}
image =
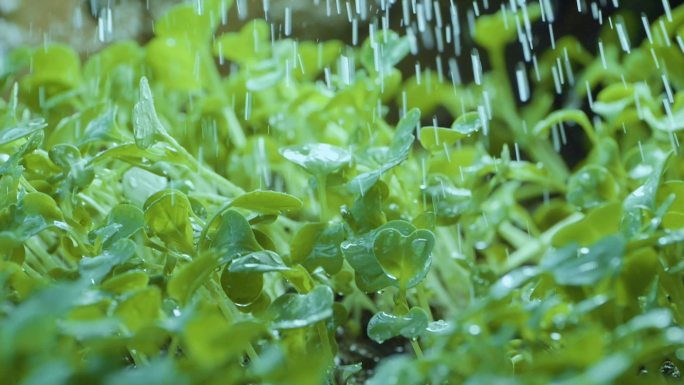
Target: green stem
{"type": "Point", "coordinates": [322, 197]}
{"type": "Point", "coordinates": [222, 301]}
{"type": "Point", "coordinates": [323, 335]}
{"type": "Point", "coordinates": [423, 301]}
{"type": "Point", "coordinates": [416, 348]}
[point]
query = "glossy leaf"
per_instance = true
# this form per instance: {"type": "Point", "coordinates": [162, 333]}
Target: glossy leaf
{"type": "Point", "coordinates": [317, 158]}
{"type": "Point", "coordinates": [232, 236]}
{"type": "Point", "coordinates": [191, 276]}
{"type": "Point", "coordinates": [167, 215]}
{"type": "Point", "coordinates": [318, 244]}
{"type": "Point", "coordinates": [146, 123]}
{"type": "Point", "coordinates": [293, 311]}
{"type": "Point", "coordinates": [384, 326]}
{"type": "Point", "coordinates": [271, 202]}
{"type": "Point", "coordinates": [359, 252]}
{"type": "Point", "coordinates": [258, 262]}
{"type": "Point", "coordinates": [405, 259]}
{"type": "Point", "coordinates": [243, 288]}
{"type": "Point", "coordinates": [575, 266]}
{"type": "Point", "coordinates": [95, 268]}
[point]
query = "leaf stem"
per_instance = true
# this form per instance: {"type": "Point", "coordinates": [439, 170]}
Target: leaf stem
{"type": "Point", "coordinates": [222, 302]}
{"type": "Point", "coordinates": [323, 335]}
{"type": "Point", "coordinates": [322, 197]}
{"type": "Point", "coordinates": [416, 348]}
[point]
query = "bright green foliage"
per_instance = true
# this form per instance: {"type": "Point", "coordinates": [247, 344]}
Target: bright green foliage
{"type": "Point", "coordinates": [404, 258]}
{"type": "Point", "coordinates": [384, 326]}
{"type": "Point", "coordinates": [295, 221]}
{"type": "Point", "coordinates": [294, 311]}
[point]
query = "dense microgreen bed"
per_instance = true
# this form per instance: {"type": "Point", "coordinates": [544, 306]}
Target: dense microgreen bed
{"type": "Point", "coordinates": [234, 210]}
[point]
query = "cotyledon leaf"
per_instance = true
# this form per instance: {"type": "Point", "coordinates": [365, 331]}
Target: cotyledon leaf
{"type": "Point", "coordinates": [293, 311]}
{"type": "Point", "coordinates": [404, 258]}
{"type": "Point", "coordinates": [384, 326]}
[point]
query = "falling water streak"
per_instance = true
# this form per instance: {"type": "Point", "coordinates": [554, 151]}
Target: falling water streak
{"type": "Point", "coordinates": [241, 9]}
{"type": "Point", "coordinates": [288, 21]}
{"type": "Point", "coordinates": [440, 69]}
{"type": "Point", "coordinates": [589, 96]}
{"type": "Point", "coordinates": [199, 7]}
{"type": "Point", "coordinates": [438, 14]}
{"type": "Point", "coordinates": [548, 11]}
{"type": "Point", "coordinates": [454, 72]}
{"type": "Point", "coordinates": [535, 65]}
{"type": "Point", "coordinates": [504, 13]}
{"type": "Point", "coordinates": [655, 58]}
{"type": "Point", "coordinates": [568, 68]}
{"type": "Point", "coordinates": [355, 32]}
{"type": "Point", "coordinates": [564, 138]}
{"type": "Point", "coordinates": [248, 105]}
{"type": "Point", "coordinates": [668, 89]}
{"type": "Point", "coordinates": [523, 84]}
{"type": "Point", "coordinates": [671, 127]}
{"type": "Point", "coordinates": [477, 66]}
{"type": "Point", "coordinates": [556, 80]}
{"type": "Point", "coordinates": [663, 31]}
{"type": "Point", "coordinates": [603, 55]}
{"type": "Point", "coordinates": [483, 119]}
{"type": "Point", "coordinates": [668, 10]}
{"type": "Point", "coordinates": [622, 36]}
{"type": "Point", "coordinates": [647, 28]}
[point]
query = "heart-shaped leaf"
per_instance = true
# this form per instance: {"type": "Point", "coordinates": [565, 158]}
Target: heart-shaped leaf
{"type": "Point", "coordinates": [384, 326]}
{"type": "Point", "coordinates": [404, 258]}
{"type": "Point", "coordinates": [358, 251]}
{"type": "Point", "coordinates": [293, 311]}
